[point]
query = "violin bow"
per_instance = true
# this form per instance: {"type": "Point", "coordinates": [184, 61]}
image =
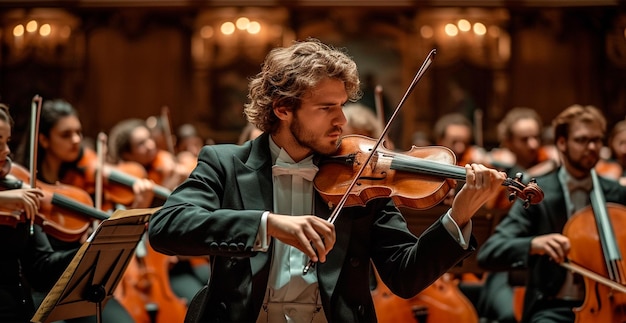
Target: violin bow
{"type": "Point", "coordinates": [167, 129]}
{"type": "Point", "coordinates": [99, 189]}
{"type": "Point", "coordinates": [380, 109]}
{"type": "Point", "coordinates": [34, 133]}
{"type": "Point", "coordinates": [422, 70]}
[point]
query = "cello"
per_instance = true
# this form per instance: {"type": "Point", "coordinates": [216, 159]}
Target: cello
{"type": "Point", "coordinates": [442, 301]}
{"type": "Point", "coordinates": [596, 255]}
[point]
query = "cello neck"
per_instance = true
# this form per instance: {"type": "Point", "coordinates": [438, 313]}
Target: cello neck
{"type": "Point", "coordinates": [608, 242]}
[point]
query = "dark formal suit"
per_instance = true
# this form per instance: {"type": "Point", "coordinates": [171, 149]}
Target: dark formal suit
{"type": "Point", "coordinates": [27, 262]}
{"type": "Point", "coordinates": [217, 211]}
{"type": "Point", "coordinates": [509, 246]}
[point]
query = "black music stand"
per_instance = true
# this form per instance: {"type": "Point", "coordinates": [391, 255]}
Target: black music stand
{"type": "Point", "coordinates": [98, 266]}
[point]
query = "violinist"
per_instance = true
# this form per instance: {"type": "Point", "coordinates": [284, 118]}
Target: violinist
{"type": "Point", "coordinates": [521, 149]}
{"type": "Point", "coordinates": [519, 133]}
{"type": "Point", "coordinates": [28, 260]}
{"type": "Point", "coordinates": [188, 140]}
{"type": "Point", "coordinates": [360, 120]}
{"type": "Point", "coordinates": [454, 131]}
{"type": "Point", "coordinates": [130, 140]}
{"type": "Point", "coordinates": [59, 152]}
{"type": "Point", "coordinates": [532, 238]}
{"type": "Point", "coordinates": [261, 223]}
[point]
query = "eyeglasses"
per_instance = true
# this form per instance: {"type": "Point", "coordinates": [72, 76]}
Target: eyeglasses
{"type": "Point", "coordinates": [584, 141]}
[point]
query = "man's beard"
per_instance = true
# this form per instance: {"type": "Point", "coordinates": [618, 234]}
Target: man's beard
{"type": "Point", "coordinates": [579, 164]}
{"type": "Point", "coordinates": [308, 139]}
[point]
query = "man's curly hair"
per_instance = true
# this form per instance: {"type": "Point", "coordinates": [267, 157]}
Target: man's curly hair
{"type": "Point", "coordinates": [289, 73]}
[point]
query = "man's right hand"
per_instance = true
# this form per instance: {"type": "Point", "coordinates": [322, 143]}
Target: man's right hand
{"type": "Point", "coordinates": [554, 245]}
{"type": "Point", "coordinates": [308, 233]}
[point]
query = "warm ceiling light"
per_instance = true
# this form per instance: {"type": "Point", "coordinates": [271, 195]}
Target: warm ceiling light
{"type": "Point", "coordinates": [480, 29]}
{"type": "Point", "coordinates": [494, 31]}
{"type": "Point", "coordinates": [451, 30]}
{"type": "Point", "coordinates": [18, 31]}
{"type": "Point", "coordinates": [227, 28]}
{"type": "Point", "coordinates": [254, 27]}
{"type": "Point", "coordinates": [31, 26]}
{"type": "Point", "coordinates": [242, 23]}
{"type": "Point", "coordinates": [65, 32]}
{"type": "Point", "coordinates": [427, 32]}
{"type": "Point", "coordinates": [206, 32]}
{"type": "Point", "coordinates": [464, 25]}
{"type": "Point", "coordinates": [45, 30]}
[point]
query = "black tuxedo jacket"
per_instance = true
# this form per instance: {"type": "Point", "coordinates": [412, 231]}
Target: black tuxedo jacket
{"type": "Point", "coordinates": [217, 212]}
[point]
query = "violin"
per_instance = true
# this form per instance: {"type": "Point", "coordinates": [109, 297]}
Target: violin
{"type": "Point", "coordinates": [65, 212]}
{"type": "Point", "coordinates": [418, 179]}
{"type": "Point", "coordinates": [118, 179]}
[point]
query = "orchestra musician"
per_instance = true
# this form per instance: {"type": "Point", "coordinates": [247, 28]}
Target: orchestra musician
{"type": "Point", "coordinates": [532, 238]}
{"type": "Point", "coordinates": [130, 141]}
{"type": "Point", "coordinates": [519, 133]}
{"type": "Point", "coordinates": [261, 225]}
{"type": "Point", "coordinates": [360, 120]}
{"type": "Point", "coordinates": [28, 261]}
{"type": "Point", "coordinates": [454, 131]}
{"type": "Point", "coordinates": [60, 151]}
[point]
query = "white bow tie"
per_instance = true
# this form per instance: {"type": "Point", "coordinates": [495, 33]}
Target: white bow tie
{"type": "Point", "coordinates": [306, 170]}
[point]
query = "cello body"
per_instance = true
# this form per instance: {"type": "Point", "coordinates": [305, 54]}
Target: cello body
{"type": "Point", "coordinates": [442, 301]}
{"type": "Point", "coordinates": [601, 303]}
{"type": "Point", "coordinates": [145, 290]}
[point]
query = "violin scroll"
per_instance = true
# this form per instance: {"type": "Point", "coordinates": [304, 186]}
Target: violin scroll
{"type": "Point", "coordinates": [530, 194]}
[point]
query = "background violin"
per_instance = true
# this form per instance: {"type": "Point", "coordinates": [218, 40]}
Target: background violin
{"type": "Point", "coordinates": [118, 179]}
{"type": "Point", "coordinates": [65, 212]}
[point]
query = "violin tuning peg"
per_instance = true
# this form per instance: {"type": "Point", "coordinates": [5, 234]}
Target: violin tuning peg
{"type": "Point", "coordinates": [511, 197]}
